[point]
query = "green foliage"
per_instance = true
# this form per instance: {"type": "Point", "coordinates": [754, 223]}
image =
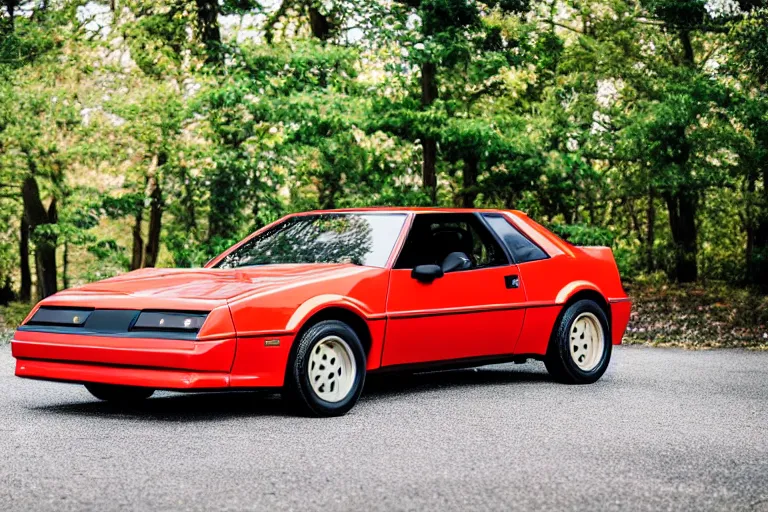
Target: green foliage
{"type": "Point", "coordinates": [679, 13]}
{"type": "Point", "coordinates": [11, 316]}
{"type": "Point", "coordinates": [583, 234]}
{"type": "Point", "coordinates": [750, 37]}
{"type": "Point", "coordinates": [598, 118]}
{"type": "Point", "coordinates": [441, 16]}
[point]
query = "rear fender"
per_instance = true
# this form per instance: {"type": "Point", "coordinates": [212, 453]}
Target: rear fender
{"type": "Point", "coordinates": [598, 252]}
{"type": "Point", "coordinates": [573, 288]}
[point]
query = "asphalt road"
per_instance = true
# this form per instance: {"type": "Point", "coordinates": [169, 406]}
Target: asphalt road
{"type": "Point", "coordinates": [664, 429]}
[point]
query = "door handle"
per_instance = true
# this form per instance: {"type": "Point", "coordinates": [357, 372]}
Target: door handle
{"type": "Point", "coordinates": [512, 281]}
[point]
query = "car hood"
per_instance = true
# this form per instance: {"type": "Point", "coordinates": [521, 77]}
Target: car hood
{"type": "Point", "coordinates": [211, 285]}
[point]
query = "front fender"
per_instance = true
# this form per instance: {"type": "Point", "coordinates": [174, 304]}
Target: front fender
{"type": "Point", "coordinates": [314, 305]}
{"type": "Point", "coordinates": [263, 355]}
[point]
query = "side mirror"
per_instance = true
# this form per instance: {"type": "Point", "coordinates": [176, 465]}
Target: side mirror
{"type": "Point", "coordinates": [456, 261]}
{"type": "Point", "coordinates": [426, 273]}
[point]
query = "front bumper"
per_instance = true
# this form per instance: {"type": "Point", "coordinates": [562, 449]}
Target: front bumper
{"type": "Point", "coordinates": [143, 377]}
{"type": "Point", "coordinates": [148, 362]}
{"type": "Point", "coordinates": [206, 356]}
{"type": "Point", "coordinates": [253, 362]}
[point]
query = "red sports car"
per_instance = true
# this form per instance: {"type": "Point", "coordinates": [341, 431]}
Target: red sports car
{"type": "Point", "coordinates": [315, 301]}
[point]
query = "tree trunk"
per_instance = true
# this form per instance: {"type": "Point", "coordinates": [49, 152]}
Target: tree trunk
{"type": "Point", "coordinates": [635, 221]}
{"type": "Point", "coordinates": [45, 245]}
{"type": "Point", "coordinates": [429, 161]}
{"type": "Point", "coordinates": [428, 172]}
{"type": "Point", "coordinates": [208, 28]}
{"type": "Point", "coordinates": [190, 215]}
{"type": "Point", "coordinates": [45, 261]}
{"type": "Point", "coordinates": [758, 263]}
{"type": "Point", "coordinates": [318, 22]}
{"type": "Point", "coordinates": [651, 236]}
{"type": "Point", "coordinates": [65, 267]}
{"type": "Point", "coordinates": [757, 257]}
{"type": "Point", "coordinates": [682, 205]}
{"type": "Point", "coordinates": [469, 188]}
{"type": "Point", "coordinates": [155, 222]}
{"type": "Point", "coordinates": [682, 223]}
{"type": "Point", "coordinates": [137, 251]}
{"type": "Point", "coordinates": [45, 258]}
{"type": "Point", "coordinates": [11, 10]}
{"type": "Point", "coordinates": [688, 55]}
{"type": "Point", "coordinates": [6, 292]}
{"type": "Point", "coordinates": [25, 290]}
{"type": "Point", "coordinates": [224, 207]}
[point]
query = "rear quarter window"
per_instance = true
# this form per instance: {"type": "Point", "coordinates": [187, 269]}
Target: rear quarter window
{"type": "Point", "coordinates": [522, 249]}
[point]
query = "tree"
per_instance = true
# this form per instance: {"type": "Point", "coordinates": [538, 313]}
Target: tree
{"type": "Point", "coordinates": [154, 133]}
{"type": "Point", "coordinates": [749, 38]}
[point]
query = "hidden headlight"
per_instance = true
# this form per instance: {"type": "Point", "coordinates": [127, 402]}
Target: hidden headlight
{"type": "Point", "coordinates": [169, 321]}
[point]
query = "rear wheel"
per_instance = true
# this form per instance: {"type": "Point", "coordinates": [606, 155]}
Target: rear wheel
{"type": "Point", "coordinates": [580, 348]}
{"type": "Point", "coordinates": [327, 370]}
{"type": "Point", "coordinates": [120, 394]}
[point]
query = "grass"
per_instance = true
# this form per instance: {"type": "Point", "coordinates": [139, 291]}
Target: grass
{"type": "Point", "coordinates": [697, 316]}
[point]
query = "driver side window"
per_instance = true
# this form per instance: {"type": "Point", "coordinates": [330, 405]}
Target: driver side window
{"type": "Point", "coordinates": [433, 236]}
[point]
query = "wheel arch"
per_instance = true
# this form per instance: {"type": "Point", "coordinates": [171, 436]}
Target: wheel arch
{"type": "Point", "coordinates": [342, 312]}
{"type": "Point", "coordinates": [586, 292]}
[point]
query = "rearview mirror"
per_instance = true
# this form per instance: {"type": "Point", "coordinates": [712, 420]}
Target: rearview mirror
{"type": "Point", "coordinates": [426, 273]}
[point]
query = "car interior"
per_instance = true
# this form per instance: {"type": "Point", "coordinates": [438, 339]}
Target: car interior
{"type": "Point", "coordinates": [449, 241]}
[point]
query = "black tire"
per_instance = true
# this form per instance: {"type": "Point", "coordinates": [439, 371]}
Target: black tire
{"type": "Point", "coordinates": [298, 389]}
{"type": "Point", "coordinates": [119, 394]}
{"type": "Point", "coordinates": [559, 362]}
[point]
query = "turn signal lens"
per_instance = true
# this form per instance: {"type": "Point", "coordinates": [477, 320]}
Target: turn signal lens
{"type": "Point", "coordinates": [171, 321]}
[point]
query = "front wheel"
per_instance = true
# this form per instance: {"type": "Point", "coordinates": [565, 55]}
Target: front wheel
{"type": "Point", "coordinates": [120, 394]}
{"type": "Point", "coordinates": [327, 370]}
{"type": "Point", "coordinates": [580, 348]}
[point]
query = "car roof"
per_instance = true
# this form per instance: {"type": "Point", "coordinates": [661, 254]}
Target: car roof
{"type": "Point", "coordinates": [410, 209]}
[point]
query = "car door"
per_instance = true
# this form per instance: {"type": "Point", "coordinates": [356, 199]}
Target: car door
{"type": "Point", "coordinates": [470, 313]}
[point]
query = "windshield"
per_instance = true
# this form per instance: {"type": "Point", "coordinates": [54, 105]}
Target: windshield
{"type": "Point", "coordinates": [358, 238]}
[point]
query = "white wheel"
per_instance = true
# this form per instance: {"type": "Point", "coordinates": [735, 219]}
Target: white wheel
{"type": "Point", "coordinates": [331, 369]}
{"type": "Point", "coordinates": [587, 341]}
